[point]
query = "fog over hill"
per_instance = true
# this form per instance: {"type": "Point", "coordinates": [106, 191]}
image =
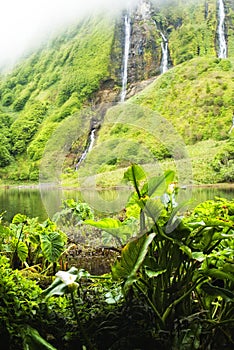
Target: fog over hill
{"type": "Point", "coordinates": [24, 24]}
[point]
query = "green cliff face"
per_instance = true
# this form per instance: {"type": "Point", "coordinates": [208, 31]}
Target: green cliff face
{"type": "Point", "coordinates": [49, 86]}
{"type": "Point", "coordinates": [82, 68]}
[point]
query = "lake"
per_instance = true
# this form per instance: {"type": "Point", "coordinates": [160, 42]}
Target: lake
{"type": "Point", "coordinates": [45, 202]}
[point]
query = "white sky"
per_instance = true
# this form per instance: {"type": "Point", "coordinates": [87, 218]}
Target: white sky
{"type": "Point", "coordinates": [24, 22]}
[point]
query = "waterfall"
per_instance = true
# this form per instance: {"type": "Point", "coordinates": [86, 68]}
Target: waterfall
{"type": "Point", "coordinates": [221, 31]}
{"type": "Point", "coordinates": [164, 45]}
{"type": "Point", "coordinates": [127, 27]}
{"type": "Point", "coordinates": [91, 140]}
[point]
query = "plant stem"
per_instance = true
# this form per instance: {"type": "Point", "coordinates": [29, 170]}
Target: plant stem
{"type": "Point", "coordinates": [135, 183]}
{"type": "Point", "coordinates": [177, 301]}
{"type": "Point", "coordinates": [161, 322]}
{"type": "Point", "coordinates": [14, 257]}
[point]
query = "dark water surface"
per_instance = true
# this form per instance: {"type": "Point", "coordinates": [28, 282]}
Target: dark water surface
{"type": "Point", "coordinates": [44, 203]}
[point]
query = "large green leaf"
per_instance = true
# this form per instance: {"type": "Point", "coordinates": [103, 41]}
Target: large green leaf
{"type": "Point", "coordinates": [33, 341]}
{"type": "Point", "coordinates": [219, 274]}
{"type": "Point", "coordinates": [105, 224]}
{"type": "Point", "coordinates": [135, 174]}
{"type": "Point", "coordinates": [153, 208]}
{"type": "Point", "coordinates": [52, 245]}
{"type": "Point", "coordinates": [174, 220]}
{"type": "Point", "coordinates": [22, 251]}
{"type": "Point", "coordinates": [218, 291]}
{"type": "Point", "coordinates": [132, 257]}
{"type": "Point", "coordinates": [19, 219]}
{"type": "Point", "coordinates": [20, 248]}
{"type": "Point", "coordinates": [158, 185]}
{"type": "Point", "coordinates": [120, 230]}
{"type": "Point", "coordinates": [154, 273]}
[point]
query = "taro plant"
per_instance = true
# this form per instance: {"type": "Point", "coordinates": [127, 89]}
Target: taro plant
{"type": "Point", "coordinates": [29, 243]}
{"type": "Point", "coordinates": [175, 263]}
{"type": "Point", "coordinates": [114, 231]}
{"type": "Point", "coordinates": [73, 213]}
{"type": "Point", "coordinates": [212, 243]}
{"type": "Point", "coordinates": [123, 230]}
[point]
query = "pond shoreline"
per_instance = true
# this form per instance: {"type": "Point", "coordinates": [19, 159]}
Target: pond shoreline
{"type": "Point", "coordinates": [70, 188]}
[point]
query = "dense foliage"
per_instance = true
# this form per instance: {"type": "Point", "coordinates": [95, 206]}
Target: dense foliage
{"type": "Point", "coordinates": [25, 317]}
{"type": "Point", "coordinates": [172, 286]}
{"type": "Point", "coordinates": [50, 85]}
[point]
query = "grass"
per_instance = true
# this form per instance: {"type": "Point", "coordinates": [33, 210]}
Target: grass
{"type": "Point", "coordinates": [196, 97]}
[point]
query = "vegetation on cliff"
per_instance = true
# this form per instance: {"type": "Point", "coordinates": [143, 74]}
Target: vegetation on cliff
{"type": "Point", "coordinates": [47, 87]}
{"type": "Point", "coordinates": [82, 68]}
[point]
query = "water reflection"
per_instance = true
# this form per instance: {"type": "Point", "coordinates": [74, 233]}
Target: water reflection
{"type": "Point", "coordinates": [104, 202]}
{"type": "Point", "coordinates": [45, 203]}
{"type": "Point", "coordinates": [21, 200]}
{"type": "Point", "coordinates": [201, 194]}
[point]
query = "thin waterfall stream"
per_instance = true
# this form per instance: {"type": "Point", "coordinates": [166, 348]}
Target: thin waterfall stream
{"type": "Point", "coordinates": [221, 30]}
{"type": "Point", "coordinates": [164, 62]}
{"type": "Point", "coordinates": [91, 140]}
{"type": "Point", "coordinates": [127, 31]}
{"type": "Point", "coordinates": [127, 36]}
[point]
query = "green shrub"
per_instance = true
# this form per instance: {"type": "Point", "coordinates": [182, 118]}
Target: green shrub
{"type": "Point", "coordinates": [26, 319]}
{"type": "Point", "coordinates": [69, 107]}
{"type": "Point", "coordinates": [24, 175]}
{"type": "Point", "coordinates": [26, 126]}
{"type": "Point", "coordinates": [73, 213]}
{"type": "Point", "coordinates": [7, 99]}
{"type": "Point", "coordinates": [19, 305]}
{"type": "Point", "coordinates": [36, 148]}
{"type": "Point", "coordinates": [20, 102]}
{"type": "Point", "coordinates": [5, 157]}
{"type": "Point", "coordinates": [225, 65]}
{"type": "Point", "coordinates": [34, 175]}
{"type": "Point", "coordinates": [223, 162]}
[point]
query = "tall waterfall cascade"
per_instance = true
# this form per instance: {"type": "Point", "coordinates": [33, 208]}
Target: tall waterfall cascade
{"type": "Point", "coordinates": [91, 141]}
{"type": "Point", "coordinates": [164, 62]}
{"type": "Point", "coordinates": [221, 30]}
{"type": "Point", "coordinates": [134, 41]}
{"type": "Point", "coordinates": [127, 37]}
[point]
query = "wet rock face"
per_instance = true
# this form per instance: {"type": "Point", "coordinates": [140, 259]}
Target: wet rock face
{"type": "Point", "coordinates": [229, 9]}
{"type": "Point", "coordinates": [145, 49]}
{"type": "Point", "coordinates": [145, 46]}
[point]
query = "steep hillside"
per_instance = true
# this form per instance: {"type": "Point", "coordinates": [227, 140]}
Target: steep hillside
{"type": "Point", "coordinates": [184, 116]}
{"type": "Point", "coordinates": [83, 69]}
{"type": "Point", "coordinates": [196, 96]}
{"type": "Point", "coordinates": [50, 85]}
{"type": "Point", "coordinates": [191, 27]}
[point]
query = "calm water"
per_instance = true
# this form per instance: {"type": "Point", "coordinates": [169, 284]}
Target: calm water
{"type": "Point", "coordinates": [44, 203]}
